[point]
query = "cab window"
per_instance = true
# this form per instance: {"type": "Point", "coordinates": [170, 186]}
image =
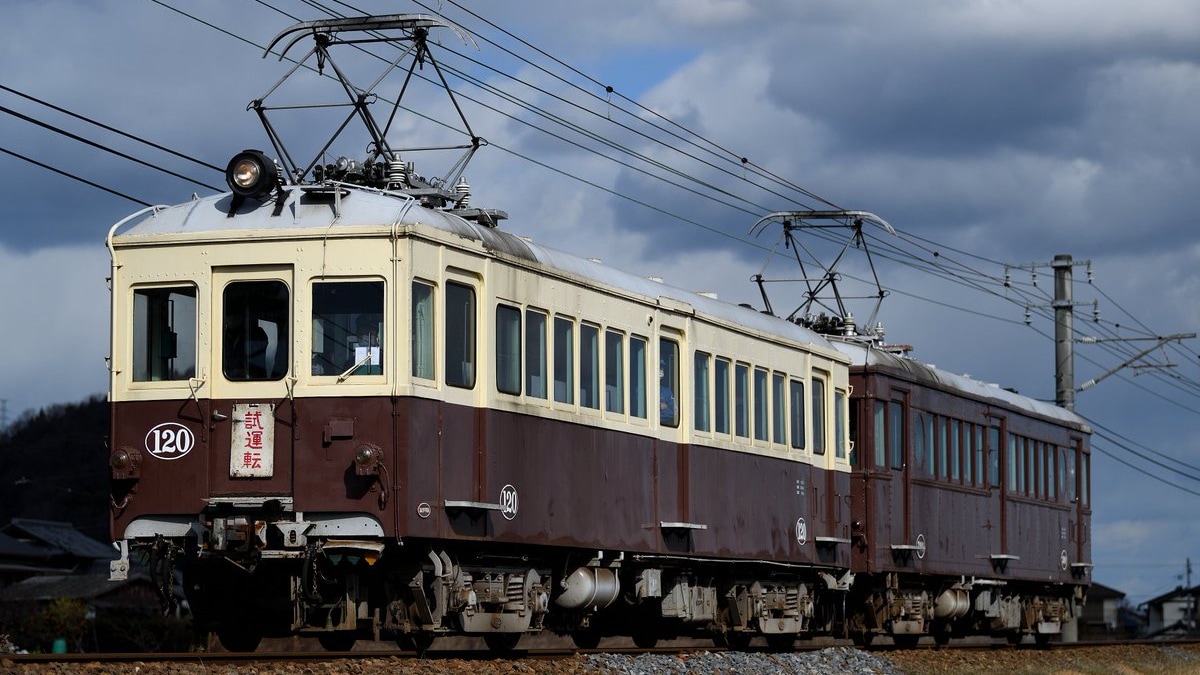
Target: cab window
{"type": "Point", "coordinates": [164, 333]}
{"type": "Point", "coordinates": [256, 338]}
{"type": "Point", "coordinates": [347, 328]}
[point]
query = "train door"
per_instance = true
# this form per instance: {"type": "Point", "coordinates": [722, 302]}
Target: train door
{"type": "Point", "coordinates": [1077, 482]}
{"type": "Point", "coordinates": [251, 354]}
{"type": "Point", "coordinates": [997, 482]}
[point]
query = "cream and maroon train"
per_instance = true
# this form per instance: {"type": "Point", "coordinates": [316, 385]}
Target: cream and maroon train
{"type": "Point", "coordinates": [346, 404]}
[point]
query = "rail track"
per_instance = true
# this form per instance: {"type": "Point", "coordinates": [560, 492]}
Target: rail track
{"type": "Point", "coordinates": [1166, 657]}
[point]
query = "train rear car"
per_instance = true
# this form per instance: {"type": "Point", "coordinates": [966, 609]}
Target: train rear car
{"type": "Point", "coordinates": [972, 506]}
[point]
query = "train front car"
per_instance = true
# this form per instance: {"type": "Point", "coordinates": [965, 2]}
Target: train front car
{"type": "Point", "coordinates": [972, 506]}
{"type": "Point", "coordinates": [351, 406]}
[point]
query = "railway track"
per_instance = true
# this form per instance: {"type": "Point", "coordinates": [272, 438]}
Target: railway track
{"type": "Point", "coordinates": [1165, 658]}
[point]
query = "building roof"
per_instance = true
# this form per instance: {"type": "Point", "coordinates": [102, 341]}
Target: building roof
{"type": "Point", "coordinates": [1179, 592]}
{"type": "Point", "coordinates": [81, 586]}
{"type": "Point", "coordinates": [58, 538]}
{"type": "Point", "coordinates": [14, 549]}
{"type": "Point", "coordinates": [1098, 591]}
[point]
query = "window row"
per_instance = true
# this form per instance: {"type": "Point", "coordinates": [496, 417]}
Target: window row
{"type": "Point", "coordinates": [1044, 470]}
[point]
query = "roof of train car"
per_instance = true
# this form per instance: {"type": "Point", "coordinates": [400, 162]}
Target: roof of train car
{"type": "Point", "coordinates": [366, 208]}
{"type": "Point", "coordinates": [866, 355]}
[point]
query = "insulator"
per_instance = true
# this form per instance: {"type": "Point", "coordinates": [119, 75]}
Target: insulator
{"type": "Point", "coordinates": [848, 327]}
{"type": "Point", "coordinates": [1028, 317]}
{"type": "Point", "coordinates": [397, 173]}
{"type": "Point", "coordinates": [463, 188]}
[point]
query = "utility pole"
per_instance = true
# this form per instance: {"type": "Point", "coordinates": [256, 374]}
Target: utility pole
{"type": "Point", "coordinates": [1064, 331]}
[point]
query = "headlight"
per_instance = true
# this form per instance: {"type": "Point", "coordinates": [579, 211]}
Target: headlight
{"type": "Point", "coordinates": [366, 460]}
{"type": "Point", "coordinates": [251, 174]}
{"type": "Point", "coordinates": [125, 463]}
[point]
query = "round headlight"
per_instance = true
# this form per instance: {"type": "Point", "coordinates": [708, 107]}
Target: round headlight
{"type": "Point", "coordinates": [251, 174]}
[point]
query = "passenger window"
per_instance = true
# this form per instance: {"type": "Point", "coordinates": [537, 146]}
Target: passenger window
{"type": "Point", "coordinates": [700, 384]}
{"type": "Point", "coordinates": [256, 337]}
{"type": "Point", "coordinates": [668, 382]}
{"type": "Point", "coordinates": [881, 436]}
{"type": "Point", "coordinates": [818, 416]}
{"type": "Point", "coordinates": [920, 458]}
{"type": "Point", "coordinates": [1085, 471]}
{"type": "Point", "coordinates": [968, 451]}
{"type": "Point", "coordinates": [741, 400]}
{"type": "Point", "coordinates": [347, 328]}
{"type": "Point", "coordinates": [614, 372]}
{"type": "Point", "coordinates": [535, 353]}
{"type": "Point", "coordinates": [164, 334]}
{"type": "Point", "coordinates": [721, 397]}
{"type": "Point", "coordinates": [797, 409]}
{"type": "Point", "coordinates": [564, 360]}
{"type": "Point", "coordinates": [637, 376]}
{"type": "Point", "coordinates": [943, 447]}
{"type": "Point", "coordinates": [839, 424]}
{"type": "Point", "coordinates": [1051, 470]}
{"type": "Point", "coordinates": [955, 449]}
{"type": "Point", "coordinates": [760, 404]}
{"type": "Point", "coordinates": [778, 409]}
{"type": "Point", "coordinates": [508, 349]}
{"type": "Point", "coordinates": [589, 366]}
{"type": "Point", "coordinates": [994, 456]}
{"type": "Point", "coordinates": [896, 433]}
{"type": "Point", "coordinates": [460, 335]}
{"type": "Point", "coordinates": [979, 455]}
{"type": "Point", "coordinates": [422, 330]}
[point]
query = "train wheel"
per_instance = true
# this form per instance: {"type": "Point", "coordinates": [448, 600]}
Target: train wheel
{"type": "Point", "coordinates": [781, 642]}
{"type": "Point", "coordinates": [863, 639]}
{"type": "Point", "coordinates": [501, 643]}
{"type": "Point", "coordinates": [337, 641]}
{"type": "Point", "coordinates": [941, 637]}
{"type": "Point", "coordinates": [422, 642]}
{"type": "Point", "coordinates": [240, 639]}
{"type": "Point", "coordinates": [645, 639]}
{"type": "Point", "coordinates": [586, 639]}
{"type": "Point", "coordinates": [906, 641]}
{"type": "Point", "coordinates": [1014, 638]}
{"type": "Point", "coordinates": [1042, 639]}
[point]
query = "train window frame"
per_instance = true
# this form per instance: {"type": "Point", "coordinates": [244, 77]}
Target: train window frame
{"type": "Point", "coordinates": [943, 447]}
{"type": "Point", "coordinates": [563, 358]}
{"type": "Point", "coordinates": [589, 366]}
{"type": "Point", "coordinates": [1052, 472]}
{"type": "Point", "coordinates": [722, 401]}
{"type": "Point", "coordinates": [762, 428]}
{"type": "Point", "coordinates": [638, 382]}
{"type": "Point", "coordinates": [701, 398]}
{"type": "Point", "coordinates": [535, 346]}
{"type": "Point", "coordinates": [460, 335]}
{"type": "Point", "coordinates": [779, 416]}
{"type": "Point", "coordinates": [614, 372]}
{"type": "Point", "coordinates": [797, 406]}
{"type": "Point", "coordinates": [741, 402]}
{"type": "Point", "coordinates": [508, 349]}
{"type": "Point", "coordinates": [879, 432]}
{"type": "Point", "coordinates": [841, 438]}
{"type": "Point", "coordinates": [349, 313]}
{"type": "Point", "coordinates": [819, 409]}
{"type": "Point", "coordinates": [423, 329]}
{"type": "Point", "coordinates": [897, 423]}
{"type": "Point", "coordinates": [923, 436]}
{"type": "Point", "coordinates": [668, 381]}
{"type": "Point", "coordinates": [968, 446]}
{"type": "Point", "coordinates": [955, 451]}
{"type": "Point", "coordinates": [253, 333]}
{"type": "Point", "coordinates": [980, 479]}
{"type": "Point", "coordinates": [995, 444]}
{"type": "Point", "coordinates": [160, 333]}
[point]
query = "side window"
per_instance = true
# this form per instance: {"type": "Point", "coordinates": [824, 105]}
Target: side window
{"type": "Point", "coordinates": [721, 396]}
{"type": "Point", "coordinates": [797, 413]}
{"type": "Point", "coordinates": [347, 329]}
{"type": "Point", "coordinates": [460, 335]}
{"type": "Point", "coordinates": [422, 330]}
{"type": "Point", "coordinates": [879, 420]}
{"type": "Point", "coordinates": [637, 376]}
{"type": "Point", "coordinates": [164, 334]}
{"type": "Point", "coordinates": [993, 451]}
{"type": "Point", "coordinates": [535, 353]}
{"type": "Point", "coordinates": [760, 404]}
{"type": "Point", "coordinates": [508, 349]}
{"type": "Point", "coordinates": [778, 409]}
{"type": "Point", "coordinates": [668, 382]}
{"type": "Point", "coordinates": [564, 360]}
{"type": "Point", "coordinates": [818, 415]}
{"type": "Point", "coordinates": [256, 340]}
{"type": "Point", "coordinates": [589, 366]}
{"type": "Point", "coordinates": [700, 395]}
{"type": "Point", "coordinates": [839, 423]}
{"type": "Point", "coordinates": [955, 449]}
{"type": "Point", "coordinates": [897, 432]}
{"type": "Point", "coordinates": [921, 445]}
{"type": "Point", "coordinates": [741, 400]}
{"type": "Point", "coordinates": [614, 372]}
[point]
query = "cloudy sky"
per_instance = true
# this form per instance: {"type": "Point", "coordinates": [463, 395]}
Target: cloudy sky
{"type": "Point", "coordinates": [993, 134]}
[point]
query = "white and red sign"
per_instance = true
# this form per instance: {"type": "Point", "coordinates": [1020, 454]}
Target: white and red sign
{"type": "Point", "coordinates": [252, 445]}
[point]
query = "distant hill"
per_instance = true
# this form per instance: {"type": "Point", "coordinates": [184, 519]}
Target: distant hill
{"type": "Point", "coordinates": [54, 466]}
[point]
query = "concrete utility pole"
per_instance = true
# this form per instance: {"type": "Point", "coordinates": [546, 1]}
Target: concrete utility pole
{"type": "Point", "coordinates": [1064, 333]}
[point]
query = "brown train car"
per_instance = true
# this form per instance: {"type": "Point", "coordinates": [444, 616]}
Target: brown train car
{"type": "Point", "coordinates": [353, 415]}
{"type": "Point", "coordinates": [971, 506]}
